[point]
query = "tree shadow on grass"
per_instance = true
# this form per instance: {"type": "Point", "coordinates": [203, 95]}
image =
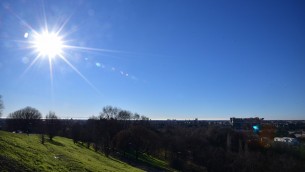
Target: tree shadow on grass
{"type": "Point", "coordinates": [9, 164]}
{"type": "Point", "coordinates": [116, 160]}
{"type": "Point", "coordinates": [139, 163]}
{"type": "Point", "coordinates": [81, 145]}
{"type": "Point", "coordinates": [55, 143]}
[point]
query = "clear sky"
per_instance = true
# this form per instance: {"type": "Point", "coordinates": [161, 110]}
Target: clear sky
{"type": "Point", "coordinates": [173, 59]}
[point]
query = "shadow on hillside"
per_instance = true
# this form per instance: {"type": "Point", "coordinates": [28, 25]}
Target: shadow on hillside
{"type": "Point", "coordinates": [8, 164]}
{"type": "Point", "coordinates": [55, 143]}
{"type": "Point", "coordinates": [138, 163]}
{"type": "Point", "coordinates": [81, 145]}
{"type": "Point", "coordinates": [116, 160]}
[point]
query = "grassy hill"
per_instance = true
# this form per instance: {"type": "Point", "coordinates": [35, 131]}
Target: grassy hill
{"type": "Point", "coordinates": [19, 152]}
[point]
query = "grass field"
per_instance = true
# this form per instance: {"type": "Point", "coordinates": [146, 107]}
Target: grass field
{"type": "Point", "coordinates": [20, 152]}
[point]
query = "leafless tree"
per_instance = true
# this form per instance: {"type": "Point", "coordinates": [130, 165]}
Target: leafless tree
{"type": "Point", "coordinates": [25, 119]}
{"type": "Point", "coordinates": [136, 116]}
{"type": "Point", "coordinates": [109, 112]}
{"type": "Point", "coordinates": [52, 124]}
{"type": "Point", "coordinates": [124, 115]}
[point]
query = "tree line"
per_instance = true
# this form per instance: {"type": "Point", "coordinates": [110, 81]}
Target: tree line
{"type": "Point", "coordinates": [192, 147]}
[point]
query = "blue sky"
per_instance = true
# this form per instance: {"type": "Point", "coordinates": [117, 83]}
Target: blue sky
{"type": "Point", "coordinates": [163, 59]}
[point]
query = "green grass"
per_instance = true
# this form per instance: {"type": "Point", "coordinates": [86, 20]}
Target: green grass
{"type": "Point", "coordinates": [155, 162]}
{"type": "Point", "coordinates": [19, 152]}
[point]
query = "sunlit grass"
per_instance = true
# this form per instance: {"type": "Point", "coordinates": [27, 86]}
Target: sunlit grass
{"type": "Point", "coordinates": [26, 152]}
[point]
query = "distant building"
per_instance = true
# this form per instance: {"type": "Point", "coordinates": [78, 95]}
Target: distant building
{"type": "Point", "coordinates": [287, 140]}
{"type": "Point", "coordinates": [300, 134]}
{"type": "Point", "coordinates": [246, 123]}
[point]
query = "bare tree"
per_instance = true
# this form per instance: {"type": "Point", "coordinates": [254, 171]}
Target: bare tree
{"type": "Point", "coordinates": [109, 112]}
{"type": "Point", "coordinates": [42, 139]}
{"type": "Point", "coordinates": [124, 115]}
{"type": "Point", "coordinates": [25, 119]}
{"type": "Point", "coordinates": [144, 118]}
{"type": "Point", "coordinates": [76, 132]}
{"type": "Point", "coordinates": [136, 138]}
{"type": "Point", "coordinates": [136, 116]}
{"type": "Point", "coordinates": [26, 113]}
{"type": "Point", "coordinates": [52, 124]}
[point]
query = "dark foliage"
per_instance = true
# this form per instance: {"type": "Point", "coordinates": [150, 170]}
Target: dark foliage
{"type": "Point", "coordinates": [7, 164]}
{"type": "Point", "coordinates": [26, 120]}
{"type": "Point", "coordinates": [52, 125]}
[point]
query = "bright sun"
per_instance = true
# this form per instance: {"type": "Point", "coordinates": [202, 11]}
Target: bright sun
{"type": "Point", "coordinates": [48, 44]}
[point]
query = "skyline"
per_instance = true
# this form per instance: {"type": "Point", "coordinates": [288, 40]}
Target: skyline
{"type": "Point", "coordinates": [164, 60]}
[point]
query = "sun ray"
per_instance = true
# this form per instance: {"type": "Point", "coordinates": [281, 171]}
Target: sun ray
{"type": "Point", "coordinates": [44, 15]}
{"type": "Point", "coordinates": [51, 79]}
{"type": "Point", "coordinates": [91, 49]}
{"type": "Point", "coordinates": [51, 71]}
{"type": "Point", "coordinates": [32, 63]}
{"type": "Point", "coordinates": [22, 21]}
{"type": "Point", "coordinates": [48, 43]}
{"type": "Point", "coordinates": [79, 73]}
{"type": "Point", "coordinates": [63, 25]}
{"type": "Point", "coordinates": [44, 43]}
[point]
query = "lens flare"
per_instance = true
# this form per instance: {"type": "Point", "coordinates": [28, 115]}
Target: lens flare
{"type": "Point", "coordinates": [51, 43]}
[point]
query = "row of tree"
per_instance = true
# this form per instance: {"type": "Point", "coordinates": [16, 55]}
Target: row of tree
{"type": "Point", "coordinates": [29, 120]}
{"type": "Point", "coordinates": [113, 130]}
{"type": "Point", "coordinates": [118, 132]}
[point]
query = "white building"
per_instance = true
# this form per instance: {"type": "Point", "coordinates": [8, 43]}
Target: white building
{"type": "Point", "coordinates": [288, 140]}
{"type": "Point", "coordinates": [300, 134]}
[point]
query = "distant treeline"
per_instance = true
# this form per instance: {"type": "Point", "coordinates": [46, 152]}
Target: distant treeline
{"type": "Point", "coordinates": [120, 133]}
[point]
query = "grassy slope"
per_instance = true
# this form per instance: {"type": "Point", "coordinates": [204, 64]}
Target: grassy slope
{"type": "Point", "coordinates": [20, 152]}
{"type": "Point", "coordinates": [156, 164]}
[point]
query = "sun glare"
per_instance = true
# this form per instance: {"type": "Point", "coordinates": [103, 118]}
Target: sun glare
{"type": "Point", "coordinates": [48, 44]}
{"type": "Point", "coordinates": [52, 45]}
